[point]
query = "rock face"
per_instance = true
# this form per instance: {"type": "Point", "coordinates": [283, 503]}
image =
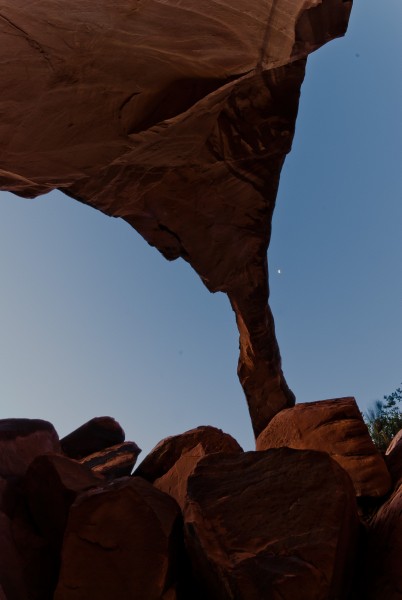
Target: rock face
{"type": "Point", "coordinates": [333, 426]}
{"type": "Point", "coordinates": [12, 582]}
{"type": "Point", "coordinates": [95, 435]}
{"type": "Point", "coordinates": [165, 454]}
{"type": "Point", "coordinates": [51, 485]}
{"type": "Point", "coordinates": [116, 461]}
{"type": "Point", "coordinates": [279, 523]}
{"type": "Point", "coordinates": [122, 541]}
{"type": "Point", "coordinates": [275, 524]}
{"type": "Point", "coordinates": [172, 461]}
{"type": "Point", "coordinates": [175, 116]}
{"type": "Point", "coordinates": [383, 575]}
{"type": "Point", "coordinates": [21, 440]}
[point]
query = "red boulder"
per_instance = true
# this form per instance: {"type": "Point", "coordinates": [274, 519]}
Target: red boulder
{"type": "Point", "coordinates": [333, 426]}
{"type": "Point", "coordinates": [121, 541]}
{"type": "Point", "coordinates": [173, 460]}
{"type": "Point", "coordinates": [275, 524]}
{"type": "Point", "coordinates": [95, 435]}
{"type": "Point", "coordinates": [21, 440]}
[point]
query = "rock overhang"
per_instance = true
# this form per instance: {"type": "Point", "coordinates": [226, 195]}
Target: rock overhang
{"type": "Point", "coordinates": [176, 118]}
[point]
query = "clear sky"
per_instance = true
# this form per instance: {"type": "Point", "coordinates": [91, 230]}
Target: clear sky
{"type": "Point", "coordinates": [93, 321]}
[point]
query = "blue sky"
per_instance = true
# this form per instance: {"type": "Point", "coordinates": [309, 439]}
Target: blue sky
{"type": "Point", "coordinates": [93, 321]}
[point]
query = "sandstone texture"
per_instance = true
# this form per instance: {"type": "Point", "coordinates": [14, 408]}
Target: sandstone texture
{"type": "Point", "coordinates": [279, 524]}
{"type": "Point", "coordinates": [177, 117]}
{"type": "Point", "coordinates": [95, 435]}
{"type": "Point", "coordinates": [113, 462]}
{"type": "Point", "coordinates": [21, 440]}
{"type": "Point", "coordinates": [122, 541]}
{"type": "Point", "coordinates": [169, 450]}
{"type": "Point", "coordinates": [173, 460]}
{"type": "Point", "coordinates": [333, 426]}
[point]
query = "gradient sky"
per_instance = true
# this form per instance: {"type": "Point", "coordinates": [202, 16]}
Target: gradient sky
{"type": "Point", "coordinates": [93, 321]}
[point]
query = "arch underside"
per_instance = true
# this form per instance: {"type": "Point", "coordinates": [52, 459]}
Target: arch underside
{"type": "Point", "coordinates": [177, 118]}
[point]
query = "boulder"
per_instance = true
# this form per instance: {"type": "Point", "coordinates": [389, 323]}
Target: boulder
{"type": "Point", "coordinates": [95, 435]}
{"type": "Point", "coordinates": [116, 461]}
{"type": "Point", "coordinates": [122, 541]}
{"type": "Point", "coordinates": [21, 440]}
{"type": "Point", "coordinates": [168, 451]}
{"type": "Point", "coordinates": [382, 578]}
{"type": "Point", "coordinates": [393, 458]}
{"type": "Point", "coordinates": [51, 485]}
{"type": "Point", "coordinates": [171, 462]}
{"type": "Point", "coordinates": [12, 583]}
{"type": "Point", "coordinates": [333, 426]}
{"type": "Point", "coordinates": [278, 524]}
{"type": "Point", "coordinates": [39, 562]}
{"type": "Point", "coordinates": [174, 481]}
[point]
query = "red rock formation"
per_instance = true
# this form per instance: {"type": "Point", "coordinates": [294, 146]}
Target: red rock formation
{"type": "Point", "coordinates": [383, 574]}
{"type": "Point", "coordinates": [31, 564]}
{"type": "Point", "coordinates": [173, 460]}
{"type": "Point", "coordinates": [278, 523]}
{"type": "Point", "coordinates": [51, 485]}
{"type": "Point", "coordinates": [175, 116]}
{"type": "Point", "coordinates": [275, 524]}
{"type": "Point", "coordinates": [122, 541]}
{"type": "Point", "coordinates": [95, 435]}
{"type": "Point", "coordinates": [116, 461]}
{"type": "Point", "coordinates": [12, 582]}
{"type": "Point", "coordinates": [333, 426]}
{"type": "Point", "coordinates": [169, 450]}
{"type": "Point", "coordinates": [21, 440]}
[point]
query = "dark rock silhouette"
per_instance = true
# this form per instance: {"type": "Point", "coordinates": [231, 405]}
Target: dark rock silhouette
{"type": "Point", "coordinates": [95, 435]}
{"type": "Point", "coordinates": [21, 440]}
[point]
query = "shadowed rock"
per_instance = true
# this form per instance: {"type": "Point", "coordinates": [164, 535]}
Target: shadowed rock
{"type": "Point", "coordinates": [117, 461]}
{"type": "Point", "coordinates": [204, 439]}
{"type": "Point", "coordinates": [175, 458]}
{"type": "Point", "coordinates": [275, 524]}
{"type": "Point", "coordinates": [122, 541]}
{"type": "Point", "coordinates": [21, 440]}
{"type": "Point", "coordinates": [51, 485]}
{"type": "Point", "coordinates": [383, 576]}
{"type": "Point", "coordinates": [333, 426]}
{"type": "Point", "coordinates": [95, 435]}
{"type": "Point", "coordinates": [177, 117]}
{"type": "Point", "coordinates": [12, 584]}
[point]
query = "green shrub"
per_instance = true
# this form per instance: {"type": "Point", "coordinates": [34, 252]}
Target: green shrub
{"type": "Point", "coordinates": [384, 419]}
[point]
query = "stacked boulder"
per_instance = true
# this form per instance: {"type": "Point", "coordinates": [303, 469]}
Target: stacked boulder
{"type": "Point", "coordinates": [200, 519]}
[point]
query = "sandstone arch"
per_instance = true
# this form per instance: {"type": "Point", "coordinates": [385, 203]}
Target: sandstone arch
{"type": "Point", "coordinates": [176, 117]}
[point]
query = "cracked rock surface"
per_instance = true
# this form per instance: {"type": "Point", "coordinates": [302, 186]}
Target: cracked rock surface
{"type": "Point", "coordinates": [280, 523]}
{"type": "Point", "coordinates": [175, 116]}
